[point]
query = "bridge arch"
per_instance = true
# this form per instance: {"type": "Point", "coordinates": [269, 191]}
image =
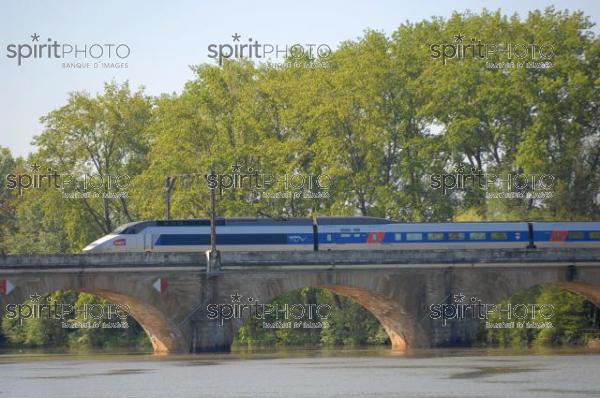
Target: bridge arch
{"type": "Point", "coordinates": [164, 336]}
{"type": "Point", "coordinates": [590, 292]}
{"type": "Point", "coordinates": [584, 292]}
{"type": "Point", "coordinates": [401, 331]}
{"type": "Point", "coordinates": [391, 307]}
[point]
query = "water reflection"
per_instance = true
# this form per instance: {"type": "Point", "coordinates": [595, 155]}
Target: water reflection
{"type": "Point", "coordinates": [306, 373]}
{"type": "Point", "coordinates": [483, 372]}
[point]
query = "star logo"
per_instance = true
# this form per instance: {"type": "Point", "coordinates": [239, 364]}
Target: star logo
{"type": "Point", "coordinates": [35, 297]}
{"type": "Point", "coordinates": [459, 38]}
{"type": "Point", "coordinates": [235, 298]}
{"type": "Point", "coordinates": [236, 168]}
{"type": "Point", "coordinates": [459, 168]}
{"type": "Point", "coordinates": [459, 298]}
{"type": "Point", "coordinates": [35, 167]}
{"type": "Point", "coordinates": [35, 37]}
{"type": "Point", "coordinates": [236, 37]}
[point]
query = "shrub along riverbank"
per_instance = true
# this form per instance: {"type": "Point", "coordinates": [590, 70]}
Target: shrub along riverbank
{"type": "Point", "coordinates": [346, 323]}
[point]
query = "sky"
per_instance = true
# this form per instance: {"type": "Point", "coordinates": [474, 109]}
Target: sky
{"type": "Point", "coordinates": [159, 40]}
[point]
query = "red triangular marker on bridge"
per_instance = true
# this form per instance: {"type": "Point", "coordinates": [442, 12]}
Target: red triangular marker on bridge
{"type": "Point", "coordinates": [6, 286]}
{"type": "Point", "coordinates": [161, 285]}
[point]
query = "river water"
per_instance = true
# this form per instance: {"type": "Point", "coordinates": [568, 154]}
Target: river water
{"type": "Point", "coordinates": [306, 373]}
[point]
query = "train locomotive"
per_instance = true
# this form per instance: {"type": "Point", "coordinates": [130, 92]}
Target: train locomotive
{"type": "Point", "coordinates": [340, 233]}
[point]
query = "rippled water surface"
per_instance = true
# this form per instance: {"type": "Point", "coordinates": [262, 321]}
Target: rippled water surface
{"type": "Point", "coordinates": [305, 373]}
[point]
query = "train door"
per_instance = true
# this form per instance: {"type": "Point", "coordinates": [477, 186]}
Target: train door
{"type": "Point", "coordinates": [147, 242]}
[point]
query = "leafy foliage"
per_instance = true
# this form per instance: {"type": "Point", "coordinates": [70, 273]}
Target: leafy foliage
{"type": "Point", "coordinates": [48, 331]}
{"type": "Point", "coordinates": [381, 119]}
{"type": "Point", "coordinates": [349, 324]}
{"type": "Point", "coordinates": [571, 314]}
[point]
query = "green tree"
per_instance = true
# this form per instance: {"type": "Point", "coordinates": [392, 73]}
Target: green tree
{"type": "Point", "coordinates": [105, 137]}
{"type": "Point", "coordinates": [49, 331]}
{"type": "Point", "coordinates": [43, 331]}
{"type": "Point", "coordinates": [348, 323]}
{"type": "Point", "coordinates": [7, 164]}
{"type": "Point", "coordinates": [569, 317]}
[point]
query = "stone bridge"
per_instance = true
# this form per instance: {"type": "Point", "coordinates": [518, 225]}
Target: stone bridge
{"type": "Point", "coordinates": [168, 293]}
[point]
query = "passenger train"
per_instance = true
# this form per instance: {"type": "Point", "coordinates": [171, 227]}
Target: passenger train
{"type": "Point", "coordinates": [340, 233]}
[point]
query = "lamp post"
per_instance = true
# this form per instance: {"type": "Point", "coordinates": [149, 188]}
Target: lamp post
{"type": "Point", "coordinates": [212, 256]}
{"type": "Point", "coordinates": [213, 216]}
{"type": "Point", "coordinates": [169, 184]}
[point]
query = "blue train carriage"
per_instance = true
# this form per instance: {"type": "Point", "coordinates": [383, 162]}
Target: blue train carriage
{"type": "Point", "coordinates": [373, 234]}
{"type": "Point", "coordinates": [341, 233]}
{"type": "Point", "coordinates": [233, 234]}
{"type": "Point", "coordinates": [566, 234]}
{"type": "Point", "coordinates": [350, 233]}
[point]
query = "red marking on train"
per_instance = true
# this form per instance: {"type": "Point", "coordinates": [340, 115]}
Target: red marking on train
{"type": "Point", "coordinates": [119, 242]}
{"type": "Point", "coordinates": [375, 237]}
{"type": "Point", "coordinates": [558, 236]}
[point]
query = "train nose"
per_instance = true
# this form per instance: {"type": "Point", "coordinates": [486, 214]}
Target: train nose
{"type": "Point", "coordinates": [90, 248]}
{"type": "Point", "coordinates": [103, 244]}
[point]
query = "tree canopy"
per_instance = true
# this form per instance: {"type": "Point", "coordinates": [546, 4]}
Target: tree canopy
{"type": "Point", "coordinates": [378, 121]}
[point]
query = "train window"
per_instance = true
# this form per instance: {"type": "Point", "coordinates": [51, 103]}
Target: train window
{"type": "Point", "coordinates": [435, 236]}
{"type": "Point", "coordinates": [346, 235]}
{"type": "Point", "coordinates": [456, 235]}
{"type": "Point", "coordinates": [575, 235]}
{"type": "Point", "coordinates": [328, 237]}
{"type": "Point", "coordinates": [397, 236]}
{"type": "Point", "coordinates": [477, 235]}
{"type": "Point", "coordinates": [595, 235]}
{"type": "Point", "coordinates": [499, 236]}
{"type": "Point", "coordinates": [414, 236]}
{"type": "Point", "coordinates": [357, 235]}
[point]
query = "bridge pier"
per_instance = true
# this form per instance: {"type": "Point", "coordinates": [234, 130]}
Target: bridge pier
{"type": "Point", "coordinates": [207, 336]}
